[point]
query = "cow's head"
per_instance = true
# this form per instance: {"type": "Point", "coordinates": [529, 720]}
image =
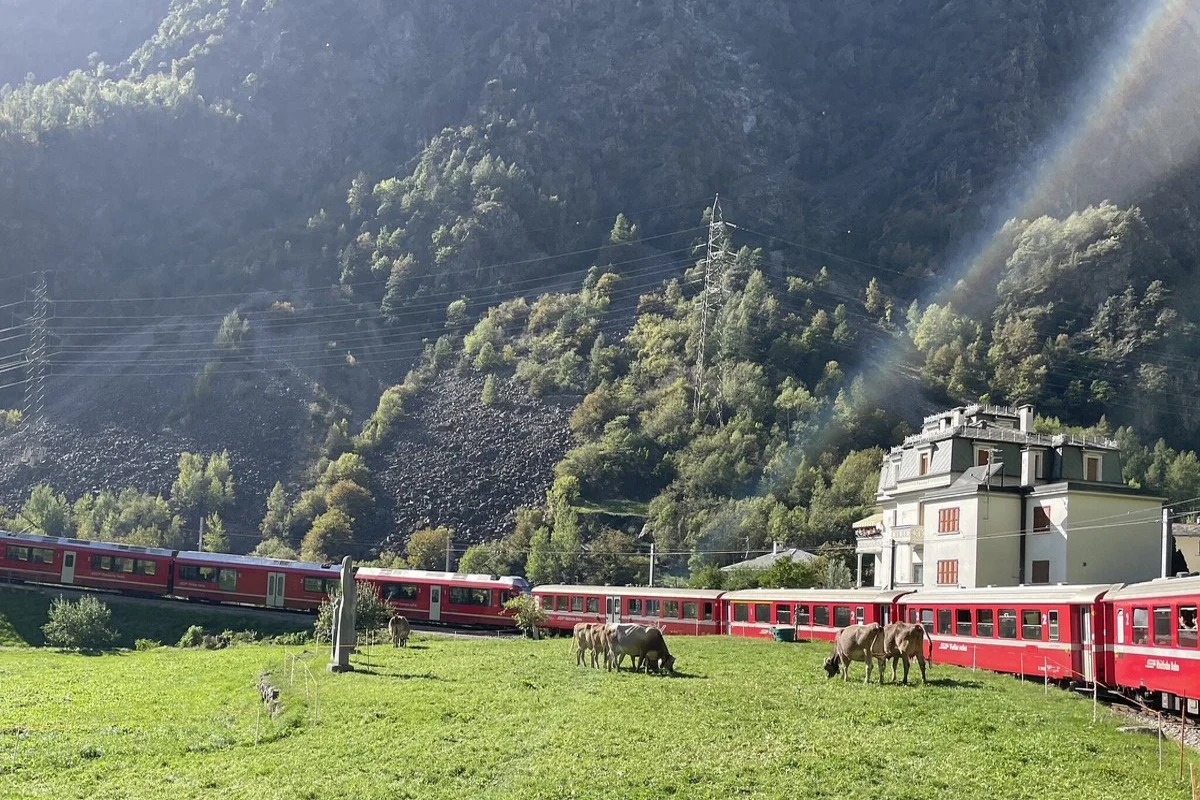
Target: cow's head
{"type": "Point", "coordinates": [669, 663]}
{"type": "Point", "coordinates": [831, 666]}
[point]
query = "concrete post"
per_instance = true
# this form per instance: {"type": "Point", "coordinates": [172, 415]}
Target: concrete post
{"type": "Point", "coordinates": [344, 619]}
{"type": "Point", "coordinates": [858, 575]}
{"type": "Point", "coordinates": [1167, 547]}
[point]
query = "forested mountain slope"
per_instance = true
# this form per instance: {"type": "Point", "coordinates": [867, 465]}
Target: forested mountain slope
{"type": "Point", "coordinates": [364, 183]}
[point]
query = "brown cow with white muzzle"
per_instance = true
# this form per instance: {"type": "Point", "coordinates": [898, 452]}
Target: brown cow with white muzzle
{"type": "Point", "coordinates": [856, 643]}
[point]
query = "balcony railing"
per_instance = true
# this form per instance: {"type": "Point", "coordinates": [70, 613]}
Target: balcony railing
{"type": "Point", "coordinates": [910, 534]}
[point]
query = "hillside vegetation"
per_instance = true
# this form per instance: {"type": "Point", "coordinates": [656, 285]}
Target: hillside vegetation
{"type": "Point", "coordinates": [518, 718]}
{"type": "Point", "coordinates": [299, 232]}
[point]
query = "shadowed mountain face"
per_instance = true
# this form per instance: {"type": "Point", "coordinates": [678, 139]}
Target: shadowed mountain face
{"type": "Point", "coordinates": [340, 171]}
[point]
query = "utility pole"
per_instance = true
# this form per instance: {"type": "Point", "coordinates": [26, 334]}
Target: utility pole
{"type": "Point", "coordinates": [447, 552]}
{"type": "Point", "coordinates": [652, 563]}
{"type": "Point", "coordinates": [200, 541]}
{"type": "Point", "coordinates": [713, 294]}
{"type": "Point", "coordinates": [35, 354]}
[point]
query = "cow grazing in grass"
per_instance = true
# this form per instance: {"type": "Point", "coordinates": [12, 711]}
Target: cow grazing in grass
{"type": "Point", "coordinates": [399, 630]}
{"type": "Point", "coordinates": [905, 640]}
{"type": "Point", "coordinates": [585, 641]}
{"type": "Point", "coordinates": [856, 643]}
{"type": "Point", "coordinates": [644, 644]}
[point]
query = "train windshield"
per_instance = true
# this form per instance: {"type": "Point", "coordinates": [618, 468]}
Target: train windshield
{"type": "Point", "coordinates": [521, 585]}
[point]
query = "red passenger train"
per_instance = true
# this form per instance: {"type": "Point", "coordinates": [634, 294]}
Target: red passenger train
{"type": "Point", "coordinates": [814, 614]}
{"type": "Point", "coordinates": [683, 611]}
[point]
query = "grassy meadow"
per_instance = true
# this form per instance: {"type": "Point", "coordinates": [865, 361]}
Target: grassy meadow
{"type": "Point", "coordinates": [459, 718]}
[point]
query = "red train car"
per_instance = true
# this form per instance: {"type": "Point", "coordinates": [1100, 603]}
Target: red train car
{"type": "Point", "coordinates": [1052, 631]}
{"type": "Point", "coordinates": [681, 611]}
{"type": "Point", "coordinates": [814, 614]}
{"type": "Point", "coordinates": [94, 565]}
{"type": "Point", "coordinates": [427, 596]}
{"type": "Point", "coordinates": [249, 580]}
{"type": "Point", "coordinates": [1152, 650]}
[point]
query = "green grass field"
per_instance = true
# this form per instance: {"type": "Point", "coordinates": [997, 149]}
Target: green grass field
{"type": "Point", "coordinates": [516, 719]}
{"type": "Point", "coordinates": [23, 613]}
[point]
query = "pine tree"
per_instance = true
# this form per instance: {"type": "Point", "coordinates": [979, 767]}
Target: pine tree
{"type": "Point", "coordinates": [215, 539]}
{"type": "Point", "coordinates": [489, 390]}
{"type": "Point", "coordinates": [274, 524]}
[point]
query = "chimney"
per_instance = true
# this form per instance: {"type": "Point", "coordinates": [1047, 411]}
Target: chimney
{"type": "Point", "coordinates": [774, 548]}
{"type": "Point", "coordinates": [1026, 414]}
{"type": "Point", "coordinates": [956, 418]}
{"type": "Point", "coordinates": [1027, 463]}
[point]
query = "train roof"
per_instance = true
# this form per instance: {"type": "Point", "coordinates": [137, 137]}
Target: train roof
{"type": "Point", "coordinates": [1046, 593]}
{"type": "Point", "coordinates": [1159, 587]}
{"type": "Point", "coordinates": [865, 595]}
{"type": "Point", "coordinates": [426, 575]}
{"type": "Point", "coordinates": [63, 541]}
{"type": "Point", "coordinates": [632, 591]}
{"type": "Point", "coordinates": [256, 561]}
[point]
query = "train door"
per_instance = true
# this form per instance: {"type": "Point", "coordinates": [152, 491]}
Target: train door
{"type": "Point", "coordinates": [275, 589]}
{"type": "Point", "coordinates": [435, 603]}
{"type": "Point", "coordinates": [68, 567]}
{"type": "Point", "coordinates": [612, 609]}
{"type": "Point", "coordinates": [1085, 642]}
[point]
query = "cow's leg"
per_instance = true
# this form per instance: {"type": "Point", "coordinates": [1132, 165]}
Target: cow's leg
{"type": "Point", "coordinates": [921, 664]}
{"type": "Point", "coordinates": [882, 664]}
{"type": "Point", "coordinates": [869, 662]}
{"type": "Point", "coordinates": [906, 668]}
{"type": "Point", "coordinates": [895, 661]}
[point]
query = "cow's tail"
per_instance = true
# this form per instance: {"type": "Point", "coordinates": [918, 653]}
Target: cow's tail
{"type": "Point", "coordinates": [929, 639]}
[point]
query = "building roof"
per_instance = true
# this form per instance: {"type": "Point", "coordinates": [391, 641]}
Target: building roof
{"type": "Point", "coordinates": [768, 560]}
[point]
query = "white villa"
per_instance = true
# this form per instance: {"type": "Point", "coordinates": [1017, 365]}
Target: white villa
{"type": "Point", "coordinates": [978, 499]}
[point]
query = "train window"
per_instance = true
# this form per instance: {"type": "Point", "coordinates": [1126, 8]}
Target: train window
{"type": "Point", "coordinates": [943, 621]}
{"type": "Point", "coordinates": [1008, 623]}
{"type": "Point", "coordinates": [143, 567]}
{"type": "Point", "coordinates": [1162, 626]}
{"type": "Point", "coordinates": [708, 610]}
{"type": "Point", "coordinates": [1187, 626]}
{"type": "Point", "coordinates": [962, 621]}
{"type": "Point", "coordinates": [577, 604]}
{"type": "Point", "coordinates": [985, 622]}
{"type": "Point", "coordinates": [653, 608]}
{"type": "Point", "coordinates": [634, 606]}
{"type": "Point", "coordinates": [820, 615]}
{"type": "Point", "coordinates": [1031, 624]}
{"type": "Point", "coordinates": [316, 585]}
{"type": "Point", "coordinates": [187, 572]}
{"type": "Point", "coordinates": [461, 596]}
{"type": "Point", "coordinates": [841, 616]}
{"type": "Point", "coordinates": [394, 592]}
{"type": "Point", "coordinates": [562, 602]}
{"type": "Point", "coordinates": [227, 580]}
{"type": "Point", "coordinates": [671, 609]}
{"type": "Point", "coordinates": [783, 615]}
{"type": "Point", "coordinates": [1052, 622]}
{"type": "Point", "coordinates": [802, 617]}
{"type": "Point", "coordinates": [18, 553]}
{"type": "Point", "coordinates": [1141, 626]}
{"type": "Point", "coordinates": [40, 555]}
{"type": "Point", "coordinates": [593, 605]}
{"type": "Point", "coordinates": [927, 619]}
{"type": "Point", "coordinates": [912, 616]}
{"type": "Point", "coordinates": [741, 612]}
{"type": "Point", "coordinates": [127, 564]}
{"type": "Point", "coordinates": [689, 610]}
{"type": "Point", "coordinates": [762, 612]}
{"type": "Point", "coordinates": [859, 616]}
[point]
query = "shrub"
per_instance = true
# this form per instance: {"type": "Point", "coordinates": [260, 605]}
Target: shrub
{"type": "Point", "coordinates": [292, 639]}
{"type": "Point", "coordinates": [527, 614]}
{"type": "Point", "coordinates": [192, 637]}
{"type": "Point", "coordinates": [146, 644]}
{"type": "Point", "coordinates": [489, 390]}
{"type": "Point", "coordinates": [85, 624]}
{"type": "Point", "coordinates": [371, 612]}
{"type": "Point", "coordinates": [10, 418]}
{"type": "Point", "coordinates": [232, 333]}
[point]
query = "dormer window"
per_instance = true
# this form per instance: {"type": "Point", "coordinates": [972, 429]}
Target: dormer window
{"type": "Point", "coordinates": [924, 464]}
{"type": "Point", "coordinates": [1092, 468]}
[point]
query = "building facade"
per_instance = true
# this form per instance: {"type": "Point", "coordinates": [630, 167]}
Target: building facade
{"type": "Point", "coordinates": [978, 499]}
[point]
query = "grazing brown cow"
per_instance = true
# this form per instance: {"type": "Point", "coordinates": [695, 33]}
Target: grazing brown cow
{"type": "Point", "coordinates": [905, 640]}
{"type": "Point", "coordinates": [399, 630]}
{"type": "Point", "coordinates": [856, 643]}
{"type": "Point", "coordinates": [583, 641]}
{"type": "Point", "coordinates": [644, 645]}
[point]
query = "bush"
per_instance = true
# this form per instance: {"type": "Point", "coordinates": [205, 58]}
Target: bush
{"type": "Point", "coordinates": [489, 390]}
{"type": "Point", "coordinates": [371, 612]}
{"type": "Point", "coordinates": [85, 624]}
{"type": "Point", "coordinates": [10, 418]}
{"type": "Point", "coordinates": [527, 614]}
{"type": "Point", "coordinates": [192, 637]}
{"type": "Point", "coordinates": [146, 644]}
{"type": "Point", "coordinates": [292, 639]}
